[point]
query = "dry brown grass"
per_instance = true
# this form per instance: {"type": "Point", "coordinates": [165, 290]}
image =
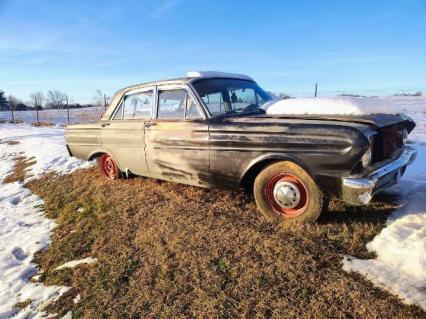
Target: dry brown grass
{"type": "Point", "coordinates": [10, 142]}
{"type": "Point", "coordinates": [173, 251]}
{"type": "Point", "coordinates": [43, 123]}
{"type": "Point", "coordinates": [19, 169]}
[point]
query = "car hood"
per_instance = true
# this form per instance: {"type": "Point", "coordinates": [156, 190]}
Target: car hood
{"type": "Point", "coordinates": [373, 120]}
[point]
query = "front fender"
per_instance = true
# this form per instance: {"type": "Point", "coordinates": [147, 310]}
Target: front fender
{"type": "Point", "coordinates": [256, 165]}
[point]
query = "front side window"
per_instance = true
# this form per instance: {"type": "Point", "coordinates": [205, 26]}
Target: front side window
{"type": "Point", "coordinates": [136, 106]}
{"type": "Point", "coordinates": [231, 96]}
{"type": "Point", "coordinates": [176, 104]}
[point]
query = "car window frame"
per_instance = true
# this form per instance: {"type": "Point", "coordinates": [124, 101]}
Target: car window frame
{"type": "Point", "coordinates": [189, 92]}
{"type": "Point", "coordinates": [132, 92]}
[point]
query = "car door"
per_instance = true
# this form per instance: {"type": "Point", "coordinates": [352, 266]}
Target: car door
{"type": "Point", "coordinates": [123, 135]}
{"type": "Point", "coordinates": [177, 139]}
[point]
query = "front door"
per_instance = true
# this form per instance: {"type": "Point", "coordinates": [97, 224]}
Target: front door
{"type": "Point", "coordinates": [123, 135]}
{"type": "Point", "coordinates": [177, 140]}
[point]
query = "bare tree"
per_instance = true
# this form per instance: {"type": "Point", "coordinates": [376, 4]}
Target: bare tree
{"type": "Point", "coordinates": [101, 99]}
{"type": "Point", "coordinates": [56, 99]}
{"type": "Point", "coordinates": [13, 102]}
{"type": "Point", "coordinates": [37, 99]}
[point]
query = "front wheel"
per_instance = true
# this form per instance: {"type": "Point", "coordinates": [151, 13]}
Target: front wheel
{"type": "Point", "coordinates": [285, 192]}
{"type": "Point", "coordinates": [109, 167]}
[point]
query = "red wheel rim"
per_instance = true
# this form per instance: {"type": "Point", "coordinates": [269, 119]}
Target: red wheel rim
{"type": "Point", "coordinates": [296, 185]}
{"type": "Point", "coordinates": [108, 166]}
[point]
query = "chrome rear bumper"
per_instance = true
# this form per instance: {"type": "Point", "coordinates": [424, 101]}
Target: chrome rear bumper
{"type": "Point", "coordinates": [360, 190]}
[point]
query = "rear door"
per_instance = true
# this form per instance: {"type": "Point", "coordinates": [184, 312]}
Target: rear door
{"type": "Point", "coordinates": [177, 139]}
{"type": "Point", "coordinates": [123, 135]}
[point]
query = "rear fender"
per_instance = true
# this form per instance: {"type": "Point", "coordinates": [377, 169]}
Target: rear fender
{"type": "Point", "coordinates": [99, 152]}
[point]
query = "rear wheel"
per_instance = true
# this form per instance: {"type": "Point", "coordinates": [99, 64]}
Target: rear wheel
{"type": "Point", "coordinates": [109, 167]}
{"type": "Point", "coordinates": [285, 192]}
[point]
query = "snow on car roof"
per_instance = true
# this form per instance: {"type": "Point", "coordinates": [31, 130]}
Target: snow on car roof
{"type": "Point", "coordinates": [217, 74]}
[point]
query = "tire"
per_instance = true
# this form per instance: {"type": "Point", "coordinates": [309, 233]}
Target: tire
{"type": "Point", "coordinates": [286, 193]}
{"type": "Point", "coordinates": [109, 167]}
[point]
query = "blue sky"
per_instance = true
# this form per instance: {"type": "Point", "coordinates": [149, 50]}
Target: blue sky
{"type": "Point", "coordinates": [370, 47]}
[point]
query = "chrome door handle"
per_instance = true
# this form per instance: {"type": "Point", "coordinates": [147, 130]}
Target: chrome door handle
{"type": "Point", "coordinates": [105, 124]}
{"type": "Point", "coordinates": [149, 124]}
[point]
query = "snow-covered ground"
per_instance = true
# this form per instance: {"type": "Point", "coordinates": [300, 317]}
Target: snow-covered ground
{"type": "Point", "coordinates": [81, 115]}
{"type": "Point", "coordinates": [24, 229]}
{"type": "Point", "coordinates": [400, 265]}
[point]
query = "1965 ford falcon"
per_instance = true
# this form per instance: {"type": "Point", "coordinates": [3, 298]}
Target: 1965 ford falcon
{"type": "Point", "coordinates": [209, 129]}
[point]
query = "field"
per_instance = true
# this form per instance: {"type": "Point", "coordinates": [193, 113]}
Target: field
{"type": "Point", "coordinates": [54, 116]}
{"type": "Point", "coordinates": [163, 250]}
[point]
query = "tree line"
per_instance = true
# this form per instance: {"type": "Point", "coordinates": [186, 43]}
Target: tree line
{"type": "Point", "coordinates": [53, 99]}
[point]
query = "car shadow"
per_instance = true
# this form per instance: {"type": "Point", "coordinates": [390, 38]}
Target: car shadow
{"type": "Point", "coordinates": [376, 212]}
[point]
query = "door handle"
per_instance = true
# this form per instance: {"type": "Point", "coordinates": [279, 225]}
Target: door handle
{"type": "Point", "coordinates": [105, 124]}
{"type": "Point", "coordinates": [149, 124]}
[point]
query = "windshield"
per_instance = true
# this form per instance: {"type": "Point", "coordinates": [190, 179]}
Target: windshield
{"type": "Point", "coordinates": [231, 96]}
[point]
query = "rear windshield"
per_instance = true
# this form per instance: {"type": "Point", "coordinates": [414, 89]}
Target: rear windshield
{"type": "Point", "coordinates": [231, 96]}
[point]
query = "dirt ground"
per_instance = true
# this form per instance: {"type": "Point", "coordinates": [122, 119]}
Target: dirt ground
{"type": "Point", "coordinates": [173, 251]}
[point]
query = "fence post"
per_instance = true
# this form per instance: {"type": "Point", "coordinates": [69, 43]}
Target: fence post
{"type": "Point", "coordinates": [68, 114]}
{"type": "Point", "coordinates": [38, 122]}
{"type": "Point", "coordinates": [13, 115]}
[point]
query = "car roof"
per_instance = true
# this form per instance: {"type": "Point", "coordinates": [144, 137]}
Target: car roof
{"type": "Point", "coordinates": [190, 77]}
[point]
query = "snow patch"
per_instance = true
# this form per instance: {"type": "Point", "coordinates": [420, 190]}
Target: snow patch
{"type": "Point", "coordinates": [75, 263]}
{"type": "Point", "coordinates": [24, 230]}
{"type": "Point", "coordinates": [77, 299]}
{"type": "Point", "coordinates": [400, 266]}
{"type": "Point", "coordinates": [68, 315]}
{"type": "Point", "coordinates": [332, 106]}
{"type": "Point", "coordinates": [46, 145]}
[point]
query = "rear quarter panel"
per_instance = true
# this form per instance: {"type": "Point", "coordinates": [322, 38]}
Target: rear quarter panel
{"type": "Point", "coordinates": [83, 140]}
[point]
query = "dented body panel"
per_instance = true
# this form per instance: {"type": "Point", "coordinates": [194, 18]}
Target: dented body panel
{"type": "Point", "coordinates": [322, 148]}
{"type": "Point", "coordinates": [179, 151]}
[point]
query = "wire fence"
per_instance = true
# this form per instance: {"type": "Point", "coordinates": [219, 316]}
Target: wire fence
{"type": "Point", "coordinates": [54, 116]}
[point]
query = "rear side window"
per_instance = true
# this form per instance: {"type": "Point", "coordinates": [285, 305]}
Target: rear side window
{"type": "Point", "coordinates": [177, 105]}
{"type": "Point", "coordinates": [171, 104]}
{"type": "Point", "coordinates": [136, 106]}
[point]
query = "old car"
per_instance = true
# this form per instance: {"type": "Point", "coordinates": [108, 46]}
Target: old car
{"type": "Point", "coordinates": [208, 129]}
